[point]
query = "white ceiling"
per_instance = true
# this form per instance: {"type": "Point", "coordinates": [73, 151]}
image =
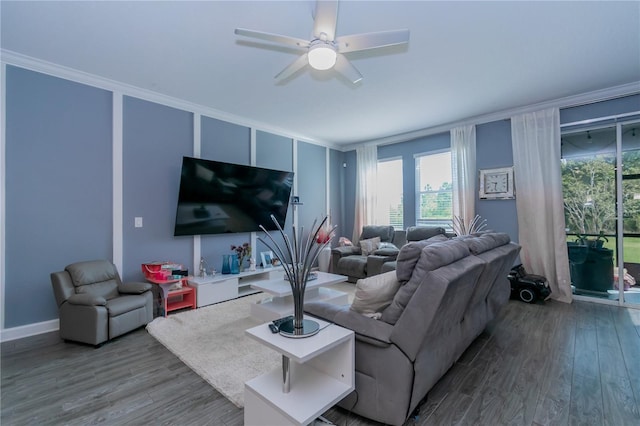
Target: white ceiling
{"type": "Point", "coordinates": [464, 59]}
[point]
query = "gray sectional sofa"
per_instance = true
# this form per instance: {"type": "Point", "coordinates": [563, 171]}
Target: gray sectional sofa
{"type": "Point", "coordinates": [355, 263]}
{"type": "Point", "coordinates": [447, 292]}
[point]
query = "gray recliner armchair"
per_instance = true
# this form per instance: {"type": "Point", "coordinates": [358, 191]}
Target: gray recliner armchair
{"type": "Point", "coordinates": [95, 306]}
{"type": "Point", "coordinates": [356, 263]}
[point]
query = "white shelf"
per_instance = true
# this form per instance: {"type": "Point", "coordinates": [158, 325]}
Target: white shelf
{"type": "Point", "coordinates": [312, 393]}
{"type": "Point", "coordinates": [221, 287]}
{"type": "Point", "coordinates": [322, 373]}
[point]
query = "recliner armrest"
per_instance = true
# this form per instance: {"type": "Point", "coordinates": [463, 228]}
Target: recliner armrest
{"type": "Point", "coordinates": [134, 288]}
{"type": "Point", "coordinates": [346, 251]}
{"type": "Point", "coordinates": [87, 300]}
{"type": "Point", "coordinates": [367, 329]}
{"type": "Point", "coordinates": [375, 262]}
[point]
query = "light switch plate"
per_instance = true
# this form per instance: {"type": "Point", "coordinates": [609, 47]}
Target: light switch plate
{"type": "Point", "coordinates": [138, 222]}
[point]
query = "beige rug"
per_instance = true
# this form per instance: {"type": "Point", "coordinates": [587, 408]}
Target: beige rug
{"type": "Point", "coordinates": [212, 342]}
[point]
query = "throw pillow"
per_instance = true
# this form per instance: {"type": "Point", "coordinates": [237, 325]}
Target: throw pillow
{"type": "Point", "coordinates": [344, 242]}
{"type": "Point", "coordinates": [375, 293]}
{"type": "Point", "coordinates": [369, 246]}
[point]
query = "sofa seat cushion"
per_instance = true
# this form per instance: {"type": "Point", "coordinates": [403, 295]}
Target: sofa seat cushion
{"type": "Point", "coordinates": [375, 293]}
{"type": "Point", "coordinates": [123, 304]}
{"type": "Point", "coordinates": [353, 266]}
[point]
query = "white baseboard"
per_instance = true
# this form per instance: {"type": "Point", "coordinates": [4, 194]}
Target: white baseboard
{"type": "Point", "coordinates": [14, 333]}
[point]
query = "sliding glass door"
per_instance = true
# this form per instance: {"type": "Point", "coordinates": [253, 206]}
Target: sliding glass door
{"type": "Point", "coordinates": [601, 170]}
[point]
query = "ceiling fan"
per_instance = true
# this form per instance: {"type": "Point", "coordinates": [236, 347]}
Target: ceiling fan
{"type": "Point", "coordinates": [325, 50]}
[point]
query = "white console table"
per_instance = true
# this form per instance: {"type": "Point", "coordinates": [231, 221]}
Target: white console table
{"type": "Point", "coordinates": [221, 287]}
{"type": "Point", "coordinates": [321, 373]}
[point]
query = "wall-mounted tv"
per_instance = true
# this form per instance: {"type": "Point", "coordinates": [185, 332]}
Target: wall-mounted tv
{"type": "Point", "coordinates": [217, 197]}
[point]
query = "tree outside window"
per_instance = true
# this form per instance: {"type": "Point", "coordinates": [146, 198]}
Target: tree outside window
{"type": "Point", "coordinates": [434, 200]}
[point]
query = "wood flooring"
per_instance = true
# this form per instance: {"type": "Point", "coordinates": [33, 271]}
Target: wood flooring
{"type": "Point", "coordinates": [544, 364]}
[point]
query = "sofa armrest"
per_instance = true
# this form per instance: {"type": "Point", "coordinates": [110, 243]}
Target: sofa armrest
{"type": "Point", "coordinates": [134, 288]}
{"type": "Point", "coordinates": [366, 329]}
{"type": "Point", "coordinates": [343, 251]}
{"type": "Point", "coordinates": [375, 262]}
{"type": "Point", "coordinates": [87, 300]}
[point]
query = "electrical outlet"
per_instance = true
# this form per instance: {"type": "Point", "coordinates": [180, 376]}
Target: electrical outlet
{"type": "Point", "coordinates": [138, 222]}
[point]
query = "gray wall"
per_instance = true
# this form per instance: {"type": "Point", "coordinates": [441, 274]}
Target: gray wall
{"type": "Point", "coordinates": [312, 187]}
{"type": "Point", "coordinates": [231, 143]}
{"type": "Point", "coordinates": [155, 138]}
{"type": "Point", "coordinates": [493, 146]}
{"type": "Point", "coordinates": [493, 149]}
{"type": "Point", "coordinates": [58, 186]}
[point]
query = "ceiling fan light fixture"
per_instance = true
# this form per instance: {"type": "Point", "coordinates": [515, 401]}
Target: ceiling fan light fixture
{"type": "Point", "coordinates": [322, 56]}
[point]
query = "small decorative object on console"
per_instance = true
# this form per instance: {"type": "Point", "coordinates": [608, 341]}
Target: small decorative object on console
{"type": "Point", "coordinates": [297, 259]}
{"type": "Point", "coordinates": [528, 287]}
{"type": "Point", "coordinates": [243, 252]}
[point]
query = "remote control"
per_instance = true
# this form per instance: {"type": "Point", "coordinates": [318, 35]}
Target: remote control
{"type": "Point", "coordinates": [273, 328]}
{"type": "Point", "coordinates": [279, 321]}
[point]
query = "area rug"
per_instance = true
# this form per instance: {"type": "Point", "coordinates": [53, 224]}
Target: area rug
{"type": "Point", "coordinates": [212, 342]}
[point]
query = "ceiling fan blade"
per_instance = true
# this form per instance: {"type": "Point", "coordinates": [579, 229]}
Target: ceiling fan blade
{"type": "Point", "coordinates": [355, 42]}
{"type": "Point", "coordinates": [276, 38]}
{"type": "Point", "coordinates": [325, 19]}
{"type": "Point", "coordinates": [292, 68]}
{"type": "Point", "coordinates": [344, 67]}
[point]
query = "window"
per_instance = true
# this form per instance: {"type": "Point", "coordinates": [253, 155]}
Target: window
{"type": "Point", "coordinates": [389, 209]}
{"type": "Point", "coordinates": [434, 198]}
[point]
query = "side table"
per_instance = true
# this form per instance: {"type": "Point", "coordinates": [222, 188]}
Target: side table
{"type": "Point", "coordinates": [319, 371]}
{"type": "Point", "coordinates": [173, 300]}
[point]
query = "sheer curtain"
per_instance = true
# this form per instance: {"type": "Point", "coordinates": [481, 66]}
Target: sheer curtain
{"type": "Point", "coordinates": [463, 168]}
{"type": "Point", "coordinates": [536, 161]}
{"type": "Point", "coordinates": [366, 180]}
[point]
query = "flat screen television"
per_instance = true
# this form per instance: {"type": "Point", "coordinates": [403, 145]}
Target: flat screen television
{"type": "Point", "coordinates": [217, 197]}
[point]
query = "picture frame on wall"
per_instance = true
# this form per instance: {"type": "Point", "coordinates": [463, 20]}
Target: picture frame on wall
{"type": "Point", "coordinates": [497, 184]}
{"type": "Point", "coordinates": [267, 259]}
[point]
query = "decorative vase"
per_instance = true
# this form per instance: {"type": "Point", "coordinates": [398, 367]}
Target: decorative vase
{"type": "Point", "coordinates": [235, 265]}
{"type": "Point", "coordinates": [324, 259]}
{"type": "Point", "coordinates": [241, 264]}
{"type": "Point", "coordinates": [297, 259]}
{"type": "Point", "coordinates": [226, 265]}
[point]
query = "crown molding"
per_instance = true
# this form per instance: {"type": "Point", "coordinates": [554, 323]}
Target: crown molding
{"type": "Point", "coordinates": [566, 102]}
{"type": "Point", "coordinates": [23, 61]}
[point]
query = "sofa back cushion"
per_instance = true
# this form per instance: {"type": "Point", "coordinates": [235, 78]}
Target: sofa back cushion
{"type": "Point", "coordinates": [410, 254]}
{"type": "Point", "coordinates": [417, 233]}
{"type": "Point", "coordinates": [95, 277]}
{"type": "Point", "coordinates": [371, 231]}
{"type": "Point", "coordinates": [432, 256]}
{"type": "Point", "coordinates": [487, 241]}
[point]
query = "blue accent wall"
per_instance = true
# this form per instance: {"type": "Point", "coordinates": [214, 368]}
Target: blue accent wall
{"type": "Point", "coordinates": [274, 152]}
{"type": "Point", "coordinates": [493, 149]}
{"type": "Point", "coordinates": [58, 186]}
{"type": "Point", "coordinates": [336, 189]}
{"type": "Point", "coordinates": [600, 109]}
{"type": "Point", "coordinates": [312, 184]}
{"type": "Point", "coordinates": [155, 138]}
{"type": "Point", "coordinates": [231, 143]}
{"type": "Point", "coordinates": [348, 195]}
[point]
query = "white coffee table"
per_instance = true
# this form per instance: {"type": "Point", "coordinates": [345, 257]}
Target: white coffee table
{"type": "Point", "coordinates": [280, 303]}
